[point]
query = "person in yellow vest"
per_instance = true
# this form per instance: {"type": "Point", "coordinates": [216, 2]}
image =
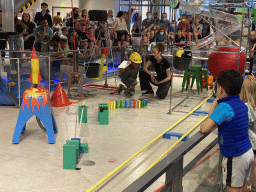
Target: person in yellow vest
{"type": "Point", "coordinates": [129, 75]}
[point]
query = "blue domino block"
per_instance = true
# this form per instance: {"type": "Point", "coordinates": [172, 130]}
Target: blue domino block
{"type": "Point", "coordinates": [202, 112]}
{"type": "Point", "coordinates": [126, 104]}
{"type": "Point", "coordinates": [146, 102]}
{"type": "Point", "coordinates": [130, 106]}
{"type": "Point", "coordinates": [168, 135]}
{"type": "Point", "coordinates": [210, 100]}
{"type": "Point", "coordinates": [79, 144]}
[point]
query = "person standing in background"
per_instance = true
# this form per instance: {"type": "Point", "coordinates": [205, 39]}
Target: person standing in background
{"type": "Point", "coordinates": [43, 13]}
{"type": "Point", "coordinates": [111, 19]}
{"type": "Point", "coordinates": [28, 35]}
{"type": "Point", "coordinates": [156, 18]}
{"type": "Point", "coordinates": [85, 18]}
{"type": "Point", "coordinates": [66, 19]}
{"type": "Point", "coordinates": [127, 20]}
{"type": "Point", "coordinates": [57, 19]}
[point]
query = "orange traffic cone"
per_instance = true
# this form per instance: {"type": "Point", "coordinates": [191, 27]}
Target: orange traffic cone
{"type": "Point", "coordinates": [59, 97]}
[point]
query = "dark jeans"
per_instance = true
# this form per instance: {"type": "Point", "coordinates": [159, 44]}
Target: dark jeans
{"type": "Point", "coordinates": [145, 81]}
{"type": "Point", "coordinates": [131, 81]}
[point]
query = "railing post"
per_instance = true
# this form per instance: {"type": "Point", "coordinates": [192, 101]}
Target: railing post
{"type": "Point", "coordinates": [173, 179]}
{"type": "Point", "coordinates": [220, 174]}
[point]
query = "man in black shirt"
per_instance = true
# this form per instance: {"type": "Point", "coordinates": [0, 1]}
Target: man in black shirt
{"type": "Point", "coordinates": [162, 68]}
{"type": "Point", "coordinates": [43, 14]}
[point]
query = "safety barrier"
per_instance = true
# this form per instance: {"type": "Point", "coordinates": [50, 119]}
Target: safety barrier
{"type": "Point", "coordinates": [15, 77]}
{"type": "Point", "coordinates": [172, 165]}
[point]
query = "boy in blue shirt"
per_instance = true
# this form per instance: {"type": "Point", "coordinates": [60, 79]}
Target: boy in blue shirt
{"type": "Point", "coordinates": [43, 34]}
{"type": "Point", "coordinates": [230, 113]}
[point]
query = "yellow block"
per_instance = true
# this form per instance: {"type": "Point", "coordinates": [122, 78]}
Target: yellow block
{"type": "Point", "coordinates": [113, 104]}
{"type": "Point", "coordinates": [138, 104]}
{"type": "Point", "coordinates": [109, 106]}
{"type": "Point", "coordinates": [35, 70]}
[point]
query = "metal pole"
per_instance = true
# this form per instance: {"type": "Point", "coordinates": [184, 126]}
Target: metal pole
{"type": "Point", "coordinates": [241, 36]}
{"type": "Point", "coordinates": [49, 67]}
{"type": "Point", "coordinates": [19, 79]}
{"type": "Point", "coordinates": [106, 72]}
{"type": "Point", "coordinates": [220, 173]}
{"type": "Point", "coordinates": [173, 179]}
{"type": "Point", "coordinates": [170, 109]}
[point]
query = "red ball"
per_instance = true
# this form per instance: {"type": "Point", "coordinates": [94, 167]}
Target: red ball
{"type": "Point", "coordinates": [218, 62]}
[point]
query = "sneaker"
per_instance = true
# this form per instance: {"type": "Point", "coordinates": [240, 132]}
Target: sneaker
{"type": "Point", "coordinates": [133, 84]}
{"type": "Point", "coordinates": [120, 89]}
{"type": "Point", "coordinates": [148, 92]}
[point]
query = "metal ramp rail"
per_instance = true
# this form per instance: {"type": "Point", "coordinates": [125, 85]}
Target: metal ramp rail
{"type": "Point", "coordinates": [172, 165]}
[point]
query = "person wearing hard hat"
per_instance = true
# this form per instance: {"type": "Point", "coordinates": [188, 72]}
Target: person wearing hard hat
{"type": "Point", "coordinates": [129, 76]}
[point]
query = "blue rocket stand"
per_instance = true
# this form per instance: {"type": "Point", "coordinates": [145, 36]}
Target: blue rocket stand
{"type": "Point", "coordinates": [46, 116]}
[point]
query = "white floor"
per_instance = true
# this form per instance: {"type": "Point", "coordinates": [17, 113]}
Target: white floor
{"type": "Point", "coordinates": [35, 165]}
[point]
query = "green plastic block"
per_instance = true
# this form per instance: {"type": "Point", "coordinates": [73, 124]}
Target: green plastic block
{"type": "Point", "coordinates": [117, 104]}
{"type": "Point", "coordinates": [69, 157]}
{"type": "Point", "coordinates": [121, 104]}
{"type": "Point", "coordinates": [84, 147]}
{"type": "Point", "coordinates": [76, 143]}
{"type": "Point", "coordinates": [84, 118]}
{"type": "Point", "coordinates": [104, 118]}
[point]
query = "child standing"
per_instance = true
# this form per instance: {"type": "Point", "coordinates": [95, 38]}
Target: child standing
{"type": "Point", "coordinates": [18, 46]}
{"type": "Point", "coordinates": [248, 95]}
{"type": "Point", "coordinates": [230, 113]}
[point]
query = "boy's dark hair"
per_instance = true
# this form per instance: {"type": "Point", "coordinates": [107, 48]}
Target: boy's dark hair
{"type": "Point", "coordinates": [43, 19]}
{"type": "Point", "coordinates": [56, 38]}
{"type": "Point", "coordinates": [19, 28]}
{"type": "Point", "coordinates": [58, 13]}
{"type": "Point", "coordinates": [231, 81]}
{"type": "Point", "coordinates": [44, 4]}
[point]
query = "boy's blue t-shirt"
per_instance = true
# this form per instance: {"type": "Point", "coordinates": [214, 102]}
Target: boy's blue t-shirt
{"type": "Point", "coordinates": [222, 113]}
{"type": "Point", "coordinates": [48, 33]}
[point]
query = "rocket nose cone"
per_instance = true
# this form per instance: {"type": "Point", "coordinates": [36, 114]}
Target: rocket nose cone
{"type": "Point", "coordinates": [33, 55]}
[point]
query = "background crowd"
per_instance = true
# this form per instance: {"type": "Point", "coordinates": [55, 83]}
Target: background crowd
{"type": "Point", "coordinates": [76, 32]}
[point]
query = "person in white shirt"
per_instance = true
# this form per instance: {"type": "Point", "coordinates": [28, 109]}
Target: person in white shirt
{"type": "Point", "coordinates": [120, 25]}
{"type": "Point", "coordinates": [111, 19]}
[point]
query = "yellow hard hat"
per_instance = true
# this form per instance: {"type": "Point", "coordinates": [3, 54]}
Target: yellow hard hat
{"type": "Point", "coordinates": [179, 52]}
{"type": "Point", "coordinates": [135, 57]}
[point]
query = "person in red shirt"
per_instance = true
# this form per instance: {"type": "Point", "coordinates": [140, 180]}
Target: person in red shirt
{"type": "Point", "coordinates": [185, 28]}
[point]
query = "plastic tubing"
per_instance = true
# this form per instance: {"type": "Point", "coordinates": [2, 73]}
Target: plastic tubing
{"type": "Point", "coordinates": [218, 35]}
{"type": "Point", "coordinates": [196, 8]}
{"type": "Point", "coordinates": [200, 10]}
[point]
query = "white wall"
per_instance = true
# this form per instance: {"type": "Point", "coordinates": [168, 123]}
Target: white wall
{"type": "Point", "coordinates": [87, 4]}
{"type": "Point", "coordinates": [53, 3]}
